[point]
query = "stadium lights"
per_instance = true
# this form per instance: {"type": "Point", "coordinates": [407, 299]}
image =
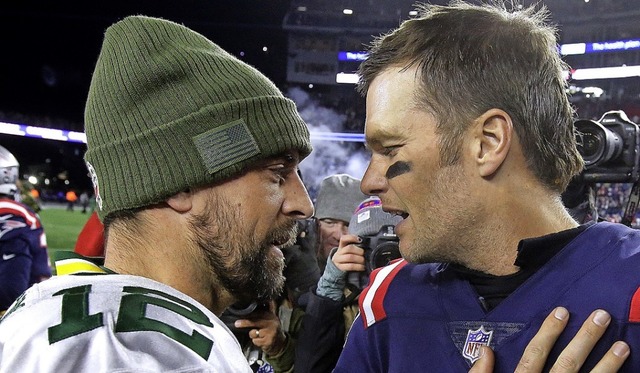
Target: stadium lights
{"type": "Point", "coordinates": [569, 49]}
{"type": "Point", "coordinates": [576, 74]}
{"type": "Point", "coordinates": [605, 73]}
{"type": "Point", "coordinates": [588, 91]}
{"type": "Point", "coordinates": [346, 78]}
{"type": "Point", "coordinates": [597, 47]}
{"type": "Point", "coordinates": [337, 136]}
{"type": "Point", "coordinates": [42, 133]}
{"type": "Point", "coordinates": [595, 91]}
{"type": "Point", "coordinates": [80, 137]}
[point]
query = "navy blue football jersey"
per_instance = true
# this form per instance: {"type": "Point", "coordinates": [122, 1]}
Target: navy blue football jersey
{"type": "Point", "coordinates": [426, 318]}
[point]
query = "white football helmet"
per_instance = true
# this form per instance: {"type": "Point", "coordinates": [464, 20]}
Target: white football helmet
{"type": "Point", "coordinates": [8, 172]}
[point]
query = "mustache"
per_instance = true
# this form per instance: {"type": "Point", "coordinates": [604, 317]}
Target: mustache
{"type": "Point", "coordinates": [284, 235]}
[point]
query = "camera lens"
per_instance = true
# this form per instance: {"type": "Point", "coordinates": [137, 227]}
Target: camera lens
{"type": "Point", "coordinates": [385, 253]}
{"type": "Point", "coordinates": [596, 143]}
{"type": "Point", "coordinates": [591, 145]}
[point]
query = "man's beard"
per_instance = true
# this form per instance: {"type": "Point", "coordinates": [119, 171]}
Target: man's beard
{"type": "Point", "coordinates": [432, 241]}
{"type": "Point", "coordinates": [245, 267]}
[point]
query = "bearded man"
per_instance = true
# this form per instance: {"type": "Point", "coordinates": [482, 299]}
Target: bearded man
{"type": "Point", "coordinates": [193, 155]}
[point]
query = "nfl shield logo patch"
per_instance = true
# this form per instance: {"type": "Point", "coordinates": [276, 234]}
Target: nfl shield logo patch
{"type": "Point", "coordinates": [475, 340]}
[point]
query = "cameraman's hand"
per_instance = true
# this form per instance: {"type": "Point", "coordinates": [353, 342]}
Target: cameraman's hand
{"type": "Point", "coordinates": [349, 257]}
{"type": "Point", "coordinates": [266, 331]}
{"type": "Point", "coordinates": [573, 356]}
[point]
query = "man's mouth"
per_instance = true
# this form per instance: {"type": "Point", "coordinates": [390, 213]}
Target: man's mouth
{"type": "Point", "coordinates": [283, 241]}
{"type": "Point", "coordinates": [396, 212]}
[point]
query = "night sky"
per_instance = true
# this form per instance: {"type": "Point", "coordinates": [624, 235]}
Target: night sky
{"type": "Point", "coordinates": [49, 50]}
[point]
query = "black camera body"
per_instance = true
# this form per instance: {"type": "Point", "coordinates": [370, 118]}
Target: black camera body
{"type": "Point", "coordinates": [381, 248]}
{"type": "Point", "coordinates": [610, 148]}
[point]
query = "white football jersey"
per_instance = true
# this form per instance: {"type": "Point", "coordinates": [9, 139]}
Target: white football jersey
{"type": "Point", "coordinates": [114, 323]}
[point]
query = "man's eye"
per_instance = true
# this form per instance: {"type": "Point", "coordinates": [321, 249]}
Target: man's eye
{"type": "Point", "coordinates": [390, 150]}
{"type": "Point", "coordinates": [280, 172]}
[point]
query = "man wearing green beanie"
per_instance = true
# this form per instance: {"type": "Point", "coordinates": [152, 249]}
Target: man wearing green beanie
{"type": "Point", "coordinates": [193, 155]}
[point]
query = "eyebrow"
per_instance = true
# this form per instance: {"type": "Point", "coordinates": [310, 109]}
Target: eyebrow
{"type": "Point", "coordinates": [290, 158]}
{"type": "Point", "coordinates": [379, 136]}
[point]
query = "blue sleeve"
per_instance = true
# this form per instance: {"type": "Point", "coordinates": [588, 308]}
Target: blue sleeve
{"type": "Point", "coordinates": [356, 354]}
{"type": "Point", "coordinates": [333, 280]}
{"type": "Point", "coordinates": [15, 270]}
{"type": "Point", "coordinates": [40, 264]}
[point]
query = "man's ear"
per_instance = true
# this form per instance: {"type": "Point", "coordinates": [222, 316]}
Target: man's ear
{"type": "Point", "coordinates": [493, 135]}
{"type": "Point", "coordinates": [181, 202]}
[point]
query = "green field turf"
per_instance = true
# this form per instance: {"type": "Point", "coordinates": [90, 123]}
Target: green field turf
{"type": "Point", "coordinates": [62, 227]}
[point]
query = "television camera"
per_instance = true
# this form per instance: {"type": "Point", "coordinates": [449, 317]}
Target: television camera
{"type": "Point", "coordinates": [610, 148]}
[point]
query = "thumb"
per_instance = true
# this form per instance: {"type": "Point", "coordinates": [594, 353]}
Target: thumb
{"type": "Point", "coordinates": [485, 363]}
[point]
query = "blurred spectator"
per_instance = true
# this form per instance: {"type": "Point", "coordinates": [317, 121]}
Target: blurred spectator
{"type": "Point", "coordinates": [26, 195]}
{"type": "Point", "coordinates": [23, 243]}
{"type": "Point", "coordinates": [35, 194]}
{"type": "Point", "coordinates": [71, 198]}
{"type": "Point", "coordinates": [84, 201]}
{"type": "Point", "coordinates": [92, 203]}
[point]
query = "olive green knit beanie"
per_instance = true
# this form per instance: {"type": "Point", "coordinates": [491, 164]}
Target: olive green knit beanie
{"type": "Point", "coordinates": [169, 110]}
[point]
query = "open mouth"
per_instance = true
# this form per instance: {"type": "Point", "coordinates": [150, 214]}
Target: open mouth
{"type": "Point", "coordinates": [399, 213]}
{"type": "Point", "coordinates": [283, 242]}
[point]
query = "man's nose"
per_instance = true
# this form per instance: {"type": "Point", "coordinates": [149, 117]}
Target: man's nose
{"type": "Point", "coordinates": [297, 203]}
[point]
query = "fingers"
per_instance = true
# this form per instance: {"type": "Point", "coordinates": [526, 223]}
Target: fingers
{"type": "Point", "coordinates": [574, 355]}
{"type": "Point", "coordinates": [484, 364]}
{"type": "Point", "coordinates": [255, 333]}
{"type": "Point", "coordinates": [348, 239]}
{"type": "Point", "coordinates": [537, 351]}
{"type": "Point", "coordinates": [576, 352]}
{"type": "Point", "coordinates": [270, 340]}
{"type": "Point", "coordinates": [613, 359]}
{"type": "Point", "coordinates": [349, 258]}
{"type": "Point", "coordinates": [244, 323]}
{"type": "Point", "coordinates": [268, 323]}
